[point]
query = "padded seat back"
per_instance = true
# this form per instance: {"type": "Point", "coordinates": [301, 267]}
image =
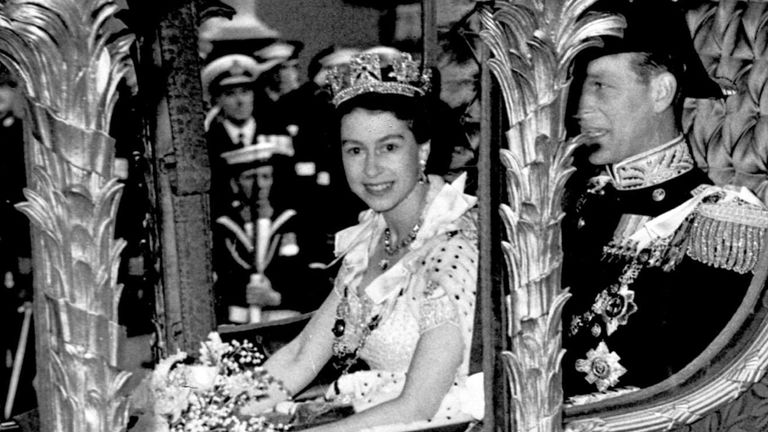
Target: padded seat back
{"type": "Point", "coordinates": [730, 137]}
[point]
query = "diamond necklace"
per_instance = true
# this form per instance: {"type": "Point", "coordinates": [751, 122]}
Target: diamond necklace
{"type": "Point", "coordinates": [390, 251]}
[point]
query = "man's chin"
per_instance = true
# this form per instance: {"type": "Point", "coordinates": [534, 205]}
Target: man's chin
{"type": "Point", "coordinates": [599, 161]}
{"type": "Point", "coordinates": [597, 154]}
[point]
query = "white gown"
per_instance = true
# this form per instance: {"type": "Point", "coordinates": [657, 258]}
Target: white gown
{"type": "Point", "coordinates": [434, 283]}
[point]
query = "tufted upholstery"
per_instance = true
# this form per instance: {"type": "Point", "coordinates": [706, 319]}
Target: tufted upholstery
{"type": "Point", "coordinates": [730, 138]}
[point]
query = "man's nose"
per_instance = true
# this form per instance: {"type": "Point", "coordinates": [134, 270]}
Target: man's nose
{"type": "Point", "coordinates": [586, 110]}
{"type": "Point", "coordinates": [587, 101]}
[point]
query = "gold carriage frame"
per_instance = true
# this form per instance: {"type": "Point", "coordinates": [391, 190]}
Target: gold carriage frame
{"type": "Point", "coordinates": [71, 60]}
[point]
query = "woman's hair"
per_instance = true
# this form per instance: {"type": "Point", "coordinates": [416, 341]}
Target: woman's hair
{"type": "Point", "coordinates": [412, 110]}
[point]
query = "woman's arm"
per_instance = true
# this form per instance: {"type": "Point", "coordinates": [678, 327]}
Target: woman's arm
{"type": "Point", "coordinates": [297, 363]}
{"type": "Point", "coordinates": [432, 370]}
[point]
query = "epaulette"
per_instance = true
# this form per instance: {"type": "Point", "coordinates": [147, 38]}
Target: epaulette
{"type": "Point", "coordinates": [727, 234]}
{"type": "Point", "coordinates": [720, 226]}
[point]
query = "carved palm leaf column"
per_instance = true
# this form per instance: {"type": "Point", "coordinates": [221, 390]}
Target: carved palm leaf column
{"type": "Point", "coordinates": [532, 45]}
{"type": "Point", "coordinates": [70, 65]}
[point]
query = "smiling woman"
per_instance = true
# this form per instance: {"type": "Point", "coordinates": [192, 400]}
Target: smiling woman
{"type": "Point", "coordinates": [382, 157]}
{"type": "Point", "coordinates": [403, 300]}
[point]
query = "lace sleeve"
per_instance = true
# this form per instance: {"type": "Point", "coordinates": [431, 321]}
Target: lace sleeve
{"type": "Point", "coordinates": [448, 294]}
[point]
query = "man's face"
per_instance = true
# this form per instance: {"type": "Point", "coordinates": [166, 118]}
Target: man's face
{"type": "Point", "coordinates": [615, 110]}
{"type": "Point", "coordinates": [289, 76]}
{"type": "Point", "coordinates": [236, 103]}
{"type": "Point", "coordinates": [256, 179]}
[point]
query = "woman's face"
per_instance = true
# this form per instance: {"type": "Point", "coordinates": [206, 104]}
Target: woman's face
{"type": "Point", "coordinates": [381, 159]}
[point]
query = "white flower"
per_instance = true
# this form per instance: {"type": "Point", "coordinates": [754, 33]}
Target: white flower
{"type": "Point", "coordinates": [201, 377]}
{"type": "Point", "coordinates": [602, 367]}
{"type": "Point", "coordinates": [208, 394]}
{"type": "Point", "coordinates": [212, 350]}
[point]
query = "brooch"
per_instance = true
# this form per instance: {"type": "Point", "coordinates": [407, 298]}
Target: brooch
{"type": "Point", "coordinates": [602, 367]}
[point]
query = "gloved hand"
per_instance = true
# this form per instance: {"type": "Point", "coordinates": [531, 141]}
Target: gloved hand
{"type": "Point", "coordinates": [259, 292]}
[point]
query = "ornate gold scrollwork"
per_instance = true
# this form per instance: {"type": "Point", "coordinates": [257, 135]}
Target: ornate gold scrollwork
{"type": "Point", "coordinates": [70, 64]}
{"type": "Point", "coordinates": [532, 46]}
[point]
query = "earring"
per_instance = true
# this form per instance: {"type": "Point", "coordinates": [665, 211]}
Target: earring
{"type": "Point", "coordinates": [422, 174]}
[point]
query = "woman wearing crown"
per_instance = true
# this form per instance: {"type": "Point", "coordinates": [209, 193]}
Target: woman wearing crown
{"type": "Point", "coordinates": [404, 297]}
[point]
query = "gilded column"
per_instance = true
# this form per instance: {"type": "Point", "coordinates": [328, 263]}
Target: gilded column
{"type": "Point", "coordinates": [532, 45]}
{"type": "Point", "coordinates": [70, 63]}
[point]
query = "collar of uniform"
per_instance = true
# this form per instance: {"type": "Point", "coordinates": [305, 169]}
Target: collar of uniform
{"type": "Point", "coordinates": [248, 129]}
{"type": "Point", "coordinates": [652, 167]}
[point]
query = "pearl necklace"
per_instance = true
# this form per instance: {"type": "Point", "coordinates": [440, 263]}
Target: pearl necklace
{"type": "Point", "coordinates": [390, 251]}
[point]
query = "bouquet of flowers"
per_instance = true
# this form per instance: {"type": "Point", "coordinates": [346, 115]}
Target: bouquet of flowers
{"type": "Point", "coordinates": [208, 393]}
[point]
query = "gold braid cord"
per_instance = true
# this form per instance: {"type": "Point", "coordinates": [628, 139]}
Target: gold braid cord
{"type": "Point", "coordinates": [532, 45]}
{"type": "Point", "coordinates": [70, 65]}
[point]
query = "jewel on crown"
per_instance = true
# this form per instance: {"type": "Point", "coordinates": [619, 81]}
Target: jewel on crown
{"type": "Point", "coordinates": [365, 74]}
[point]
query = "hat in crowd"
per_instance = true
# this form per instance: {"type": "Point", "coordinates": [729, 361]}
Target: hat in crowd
{"type": "Point", "coordinates": [260, 152]}
{"type": "Point", "coordinates": [383, 51]}
{"type": "Point", "coordinates": [220, 33]}
{"type": "Point", "coordinates": [659, 27]}
{"type": "Point", "coordinates": [371, 72]}
{"type": "Point", "coordinates": [326, 59]}
{"type": "Point", "coordinates": [278, 52]}
{"type": "Point", "coordinates": [231, 70]}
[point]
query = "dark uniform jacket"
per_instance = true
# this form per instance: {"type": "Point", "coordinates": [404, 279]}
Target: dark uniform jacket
{"type": "Point", "coordinates": [660, 319]}
{"type": "Point", "coordinates": [293, 270]}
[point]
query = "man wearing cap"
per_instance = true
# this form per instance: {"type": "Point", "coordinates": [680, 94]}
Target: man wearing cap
{"type": "Point", "coordinates": [261, 259]}
{"type": "Point", "coordinates": [282, 77]}
{"type": "Point", "coordinates": [239, 121]}
{"type": "Point", "coordinates": [653, 276]}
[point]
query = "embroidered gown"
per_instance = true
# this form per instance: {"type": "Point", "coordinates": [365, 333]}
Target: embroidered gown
{"type": "Point", "coordinates": [433, 284]}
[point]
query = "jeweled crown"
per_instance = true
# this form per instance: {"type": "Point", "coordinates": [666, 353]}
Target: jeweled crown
{"type": "Point", "coordinates": [370, 73]}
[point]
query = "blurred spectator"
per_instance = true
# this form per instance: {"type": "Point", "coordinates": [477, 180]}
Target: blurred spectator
{"type": "Point", "coordinates": [283, 75]}
{"type": "Point", "coordinates": [448, 133]}
{"type": "Point", "coordinates": [238, 121]}
{"type": "Point", "coordinates": [282, 281]}
{"type": "Point", "coordinates": [15, 249]}
{"type": "Point", "coordinates": [464, 160]}
{"type": "Point", "coordinates": [320, 177]}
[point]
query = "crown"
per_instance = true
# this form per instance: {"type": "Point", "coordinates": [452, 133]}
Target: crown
{"type": "Point", "coordinates": [369, 73]}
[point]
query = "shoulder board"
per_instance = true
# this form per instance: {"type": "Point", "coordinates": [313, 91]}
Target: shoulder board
{"type": "Point", "coordinates": [727, 234]}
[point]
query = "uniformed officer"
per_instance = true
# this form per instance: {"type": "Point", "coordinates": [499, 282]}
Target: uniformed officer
{"type": "Point", "coordinates": [657, 260]}
{"type": "Point", "coordinates": [283, 75]}
{"type": "Point", "coordinates": [239, 119]}
{"type": "Point", "coordinates": [261, 257]}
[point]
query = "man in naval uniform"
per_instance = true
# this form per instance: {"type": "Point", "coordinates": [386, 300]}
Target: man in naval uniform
{"type": "Point", "coordinates": [657, 260]}
{"type": "Point", "coordinates": [240, 119]}
{"type": "Point", "coordinates": [264, 265]}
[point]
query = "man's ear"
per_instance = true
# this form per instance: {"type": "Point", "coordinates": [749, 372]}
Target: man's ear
{"type": "Point", "coordinates": [663, 89]}
{"type": "Point", "coordinates": [234, 186]}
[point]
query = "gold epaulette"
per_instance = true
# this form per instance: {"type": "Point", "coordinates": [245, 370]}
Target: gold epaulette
{"type": "Point", "coordinates": [727, 234]}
